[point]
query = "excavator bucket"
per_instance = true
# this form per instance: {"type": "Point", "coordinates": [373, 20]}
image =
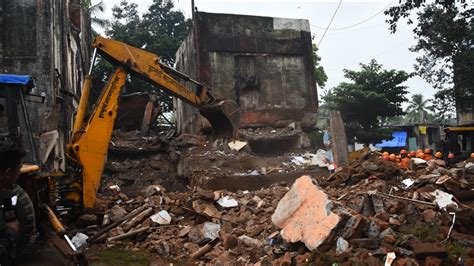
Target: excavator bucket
{"type": "Point", "coordinates": [224, 117]}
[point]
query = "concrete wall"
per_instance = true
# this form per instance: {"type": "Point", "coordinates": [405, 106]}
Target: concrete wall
{"type": "Point", "coordinates": [48, 40]}
{"type": "Point", "coordinates": [262, 63]}
{"type": "Point", "coordinates": [188, 119]}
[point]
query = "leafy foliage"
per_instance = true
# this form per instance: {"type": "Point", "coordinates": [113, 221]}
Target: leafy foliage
{"type": "Point", "coordinates": [86, 3]}
{"type": "Point", "coordinates": [160, 31]}
{"type": "Point", "coordinates": [373, 95]}
{"type": "Point", "coordinates": [445, 35]}
{"type": "Point", "coordinates": [320, 75]}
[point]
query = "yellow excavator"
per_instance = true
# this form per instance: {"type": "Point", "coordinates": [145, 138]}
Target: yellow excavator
{"type": "Point", "coordinates": [68, 194]}
{"type": "Point", "coordinates": [90, 140]}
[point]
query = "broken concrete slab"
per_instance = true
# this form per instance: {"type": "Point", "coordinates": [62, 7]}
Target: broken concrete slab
{"type": "Point", "coordinates": [227, 202]}
{"type": "Point", "coordinates": [210, 230]}
{"type": "Point", "coordinates": [162, 217]}
{"type": "Point", "coordinates": [366, 243]}
{"type": "Point", "coordinates": [342, 246]}
{"type": "Point", "coordinates": [429, 249]}
{"type": "Point", "coordinates": [116, 212]}
{"type": "Point", "coordinates": [339, 139]}
{"type": "Point", "coordinates": [304, 214]}
{"type": "Point", "coordinates": [250, 242]}
{"type": "Point", "coordinates": [237, 145]}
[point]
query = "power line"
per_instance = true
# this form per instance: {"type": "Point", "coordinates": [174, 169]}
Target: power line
{"type": "Point", "coordinates": [356, 24]}
{"type": "Point", "coordinates": [332, 18]}
{"type": "Point", "coordinates": [338, 33]}
{"type": "Point", "coordinates": [398, 45]}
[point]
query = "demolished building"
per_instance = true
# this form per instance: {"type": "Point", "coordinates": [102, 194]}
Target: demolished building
{"type": "Point", "coordinates": [265, 64]}
{"type": "Point", "coordinates": [48, 40]}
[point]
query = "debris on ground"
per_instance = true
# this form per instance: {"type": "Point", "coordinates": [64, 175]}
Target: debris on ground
{"type": "Point", "coordinates": [369, 211]}
{"type": "Point", "coordinates": [304, 214]}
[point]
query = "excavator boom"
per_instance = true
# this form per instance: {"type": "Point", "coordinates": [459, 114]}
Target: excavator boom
{"type": "Point", "coordinates": [224, 116]}
{"type": "Point", "coordinates": [89, 146]}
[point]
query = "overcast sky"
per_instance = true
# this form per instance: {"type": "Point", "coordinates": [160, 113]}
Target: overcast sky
{"type": "Point", "coordinates": [365, 34]}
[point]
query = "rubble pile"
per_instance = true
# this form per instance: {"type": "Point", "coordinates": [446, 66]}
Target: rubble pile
{"type": "Point", "coordinates": [423, 214]}
{"type": "Point", "coordinates": [368, 212]}
{"type": "Point", "coordinates": [270, 132]}
{"type": "Point", "coordinates": [135, 161]}
{"type": "Point", "coordinates": [216, 163]}
{"type": "Point", "coordinates": [177, 225]}
{"type": "Point", "coordinates": [371, 165]}
{"type": "Point", "coordinates": [270, 140]}
{"type": "Point", "coordinates": [133, 143]}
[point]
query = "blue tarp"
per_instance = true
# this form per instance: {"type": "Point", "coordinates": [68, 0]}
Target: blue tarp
{"type": "Point", "coordinates": [17, 80]}
{"type": "Point", "coordinates": [399, 140]}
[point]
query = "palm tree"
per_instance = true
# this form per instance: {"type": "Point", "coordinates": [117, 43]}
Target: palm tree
{"type": "Point", "coordinates": [417, 110]}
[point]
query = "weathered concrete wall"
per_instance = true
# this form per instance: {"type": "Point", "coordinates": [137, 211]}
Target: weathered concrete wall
{"type": "Point", "coordinates": [339, 139]}
{"type": "Point", "coordinates": [188, 119]}
{"type": "Point", "coordinates": [263, 63]}
{"type": "Point", "coordinates": [48, 40]}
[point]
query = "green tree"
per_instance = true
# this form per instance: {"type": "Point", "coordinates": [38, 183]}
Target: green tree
{"type": "Point", "coordinates": [319, 73]}
{"type": "Point", "coordinates": [373, 95]}
{"type": "Point", "coordinates": [445, 42]}
{"type": "Point", "coordinates": [160, 30]}
{"type": "Point", "coordinates": [417, 110]}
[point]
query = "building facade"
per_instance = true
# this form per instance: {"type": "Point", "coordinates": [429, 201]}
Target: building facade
{"type": "Point", "coordinates": [265, 64]}
{"type": "Point", "coordinates": [50, 41]}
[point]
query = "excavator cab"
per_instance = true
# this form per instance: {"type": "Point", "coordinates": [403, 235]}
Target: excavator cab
{"type": "Point", "coordinates": [15, 126]}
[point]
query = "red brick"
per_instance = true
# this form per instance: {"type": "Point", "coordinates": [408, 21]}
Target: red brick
{"type": "Point", "coordinates": [469, 251]}
{"type": "Point", "coordinates": [428, 216]}
{"type": "Point", "coordinates": [390, 239]}
{"type": "Point", "coordinates": [283, 261]}
{"type": "Point", "coordinates": [405, 262]}
{"type": "Point", "coordinates": [433, 261]}
{"type": "Point", "coordinates": [365, 243]}
{"type": "Point", "coordinates": [303, 259]}
{"type": "Point", "coordinates": [428, 249]}
{"type": "Point", "coordinates": [469, 262]}
{"type": "Point", "coordinates": [383, 225]}
{"type": "Point", "coordinates": [229, 242]}
{"type": "Point", "coordinates": [354, 227]}
{"type": "Point", "coordinates": [384, 216]}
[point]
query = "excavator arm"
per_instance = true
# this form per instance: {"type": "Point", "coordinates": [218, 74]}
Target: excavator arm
{"type": "Point", "coordinates": [147, 66]}
{"type": "Point", "coordinates": [89, 142]}
{"type": "Point", "coordinates": [89, 146]}
{"type": "Point", "coordinates": [224, 116]}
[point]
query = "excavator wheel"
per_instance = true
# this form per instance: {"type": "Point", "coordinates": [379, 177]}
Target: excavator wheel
{"type": "Point", "coordinates": [224, 117]}
{"type": "Point", "coordinates": [25, 215]}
